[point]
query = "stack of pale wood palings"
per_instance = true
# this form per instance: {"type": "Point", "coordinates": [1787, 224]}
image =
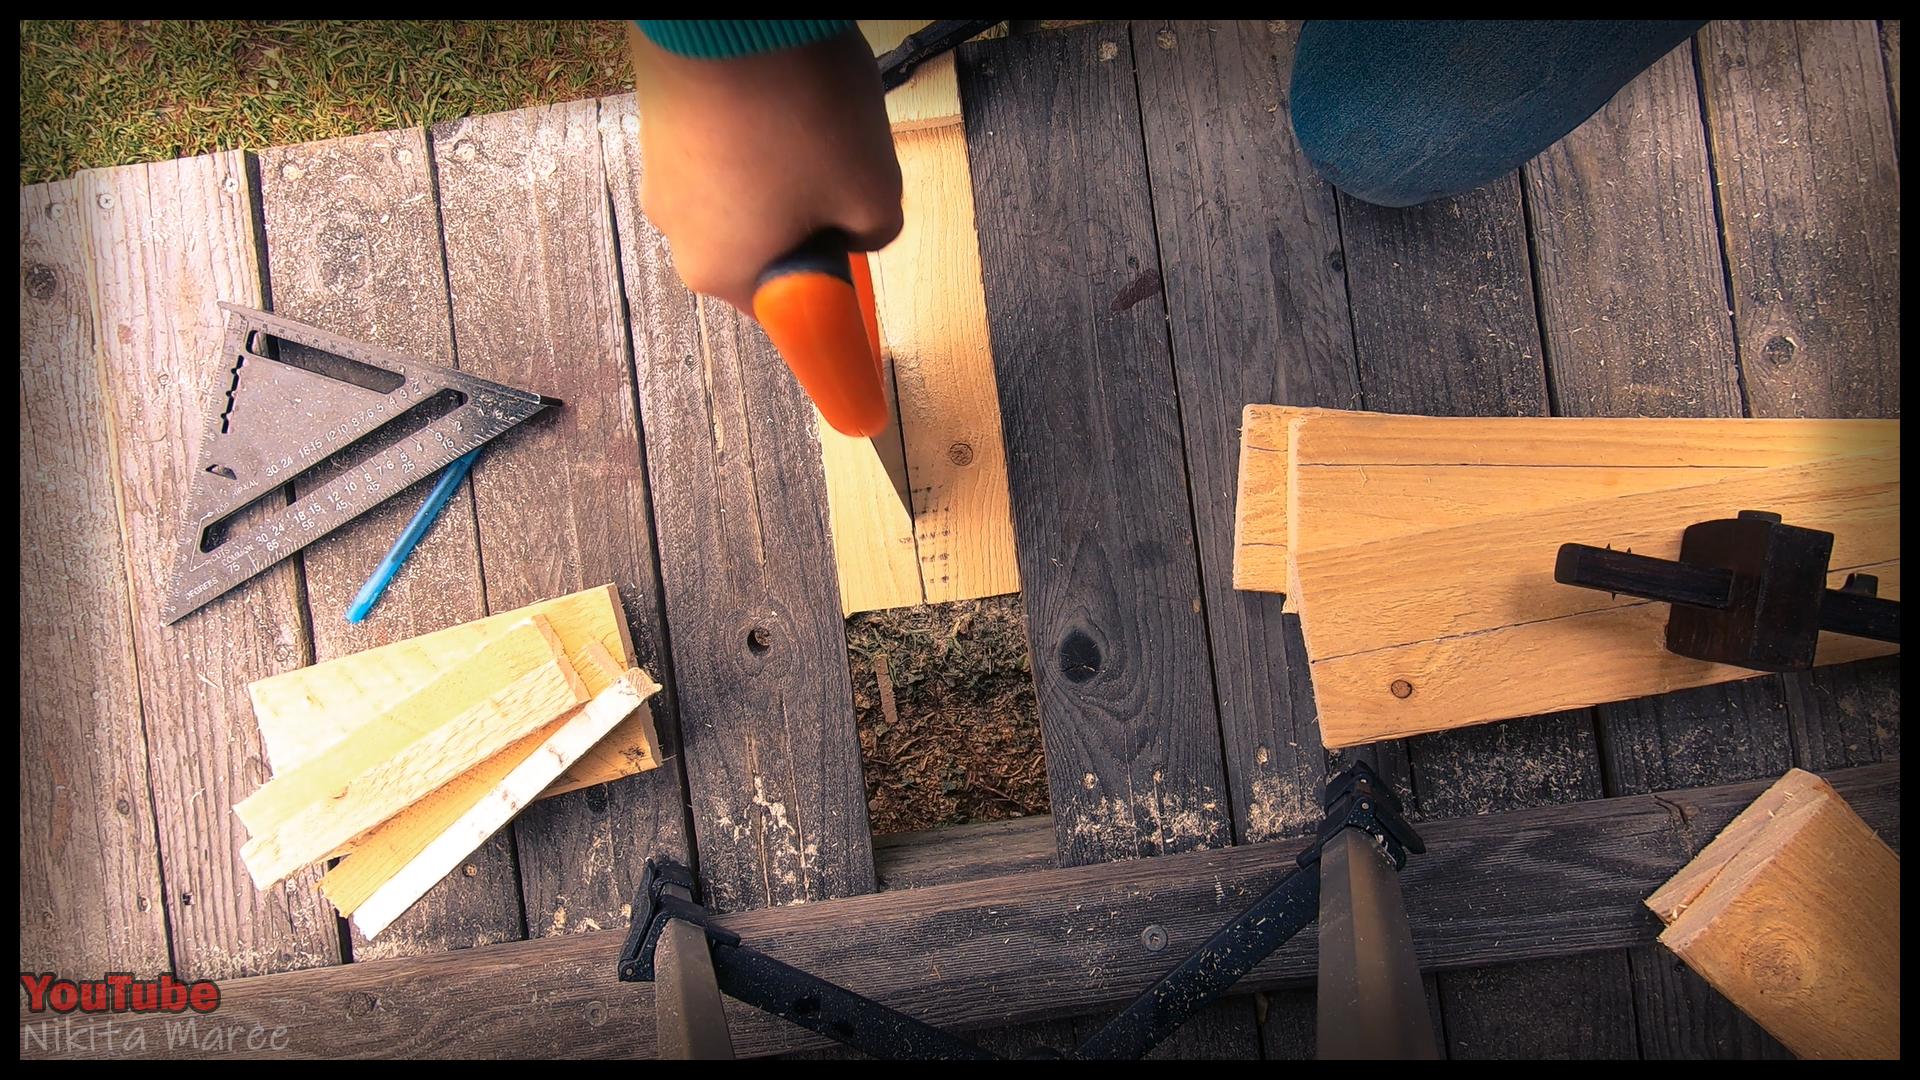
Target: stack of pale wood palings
{"type": "Point", "coordinates": [402, 760]}
{"type": "Point", "coordinates": [1793, 912]}
{"type": "Point", "coordinates": [1419, 551]}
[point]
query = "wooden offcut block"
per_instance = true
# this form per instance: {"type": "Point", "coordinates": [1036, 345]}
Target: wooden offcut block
{"type": "Point", "coordinates": [304, 712]}
{"type": "Point", "coordinates": [1793, 913]}
{"type": "Point", "coordinates": [501, 800]}
{"type": "Point", "coordinates": [457, 720]}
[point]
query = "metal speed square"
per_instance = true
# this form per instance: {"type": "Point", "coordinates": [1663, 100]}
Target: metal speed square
{"type": "Point", "coordinates": [292, 399]}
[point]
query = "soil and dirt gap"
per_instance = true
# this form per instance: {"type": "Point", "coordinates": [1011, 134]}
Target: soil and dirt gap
{"type": "Point", "coordinates": [948, 727]}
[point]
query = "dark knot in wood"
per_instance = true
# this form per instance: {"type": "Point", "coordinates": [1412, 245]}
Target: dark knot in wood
{"type": "Point", "coordinates": [42, 280]}
{"type": "Point", "coordinates": [1079, 657]}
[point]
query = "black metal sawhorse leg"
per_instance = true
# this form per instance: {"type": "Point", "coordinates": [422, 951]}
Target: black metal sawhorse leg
{"type": "Point", "coordinates": [1371, 1000]}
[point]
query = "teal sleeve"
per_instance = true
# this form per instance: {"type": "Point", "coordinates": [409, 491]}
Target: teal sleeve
{"type": "Point", "coordinates": [722, 39]}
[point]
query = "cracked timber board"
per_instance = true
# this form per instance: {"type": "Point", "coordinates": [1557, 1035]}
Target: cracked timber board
{"type": "Point", "coordinates": [534, 273]}
{"type": "Point", "coordinates": [747, 572]}
{"type": "Point", "coordinates": [91, 893]}
{"type": "Point", "coordinates": [353, 246]}
{"type": "Point", "coordinates": [957, 543]}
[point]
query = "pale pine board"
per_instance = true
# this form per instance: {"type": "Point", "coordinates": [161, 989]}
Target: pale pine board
{"type": "Point", "coordinates": [383, 787]}
{"type": "Point", "coordinates": [1800, 925]}
{"type": "Point", "coordinates": [454, 689]}
{"type": "Point", "coordinates": [933, 329]}
{"type": "Point", "coordinates": [1496, 570]}
{"type": "Point", "coordinates": [304, 712]}
{"type": "Point", "coordinates": [1337, 437]}
{"type": "Point", "coordinates": [1260, 498]}
{"type": "Point", "coordinates": [1670, 900]}
{"type": "Point", "coordinates": [1614, 654]}
{"type": "Point", "coordinates": [1357, 439]}
{"type": "Point", "coordinates": [956, 541]}
{"type": "Point", "coordinates": [498, 804]}
{"type": "Point", "coordinates": [931, 96]}
{"type": "Point", "coordinates": [385, 850]}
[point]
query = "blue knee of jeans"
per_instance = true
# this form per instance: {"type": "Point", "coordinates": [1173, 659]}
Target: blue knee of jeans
{"type": "Point", "coordinates": [1397, 113]}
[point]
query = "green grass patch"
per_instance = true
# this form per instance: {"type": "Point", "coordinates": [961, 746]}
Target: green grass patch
{"type": "Point", "coordinates": [94, 94]}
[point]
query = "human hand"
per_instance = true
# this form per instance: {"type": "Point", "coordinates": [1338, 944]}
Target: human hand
{"type": "Point", "coordinates": [744, 159]}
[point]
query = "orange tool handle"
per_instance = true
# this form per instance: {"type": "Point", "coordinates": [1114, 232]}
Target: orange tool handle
{"type": "Point", "coordinates": [816, 303]}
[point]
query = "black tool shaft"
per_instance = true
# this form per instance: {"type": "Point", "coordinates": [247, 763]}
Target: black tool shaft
{"type": "Point", "coordinates": [897, 65]}
{"type": "Point", "coordinates": [834, 1011]}
{"type": "Point", "coordinates": [1234, 950]}
{"type": "Point", "coordinates": [1860, 615]}
{"type": "Point", "coordinates": [1643, 576]}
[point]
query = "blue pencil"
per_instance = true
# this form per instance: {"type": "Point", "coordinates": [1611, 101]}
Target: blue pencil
{"type": "Point", "coordinates": [411, 535]}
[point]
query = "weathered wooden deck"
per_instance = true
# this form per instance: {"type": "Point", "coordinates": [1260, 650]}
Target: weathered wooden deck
{"type": "Point", "coordinates": [1722, 239]}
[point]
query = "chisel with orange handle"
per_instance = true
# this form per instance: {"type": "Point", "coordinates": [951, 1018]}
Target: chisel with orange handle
{"type": "Point", "coordinates": [816, 303]}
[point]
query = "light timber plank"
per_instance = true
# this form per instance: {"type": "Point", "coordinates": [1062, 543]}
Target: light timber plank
{"type": "Point", "coordinates": [91, 892]}
{"type": "Point", "coordinates": [499, 804]}
{"type": "Point", "coordinates": [873, 537]}
{"type": "Point", "coordinates": [931, 96]}
{"type": "Point", "coordinates": [1498, 571]}
{"type": "Point", "coordinates": [380, 853]}
{"type": "Point", "coordinates": [1358, 439]}
{"type": "Point", "coordinates": [451, 691]}
{"type": "Point", "coordinates": [306, 711]}
{"type": "Point", "coordinates": [933, 330]}
{"type": "Point", "coordinates": [1596, 656]}
{"type": "Point", "coordinates": [378, 786]}
{"type": "Point", "coordinates": [1799, 925]}
{"type": "Point", "coordinates": [956, 541]}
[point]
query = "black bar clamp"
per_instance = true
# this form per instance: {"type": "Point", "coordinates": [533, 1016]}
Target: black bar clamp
{"type": "Point", "coordinates": [1356, 799]}
{"type": "Point", "coordinates": [1747, 591]}
{"type": "Point", "coordinates": [653, 905]}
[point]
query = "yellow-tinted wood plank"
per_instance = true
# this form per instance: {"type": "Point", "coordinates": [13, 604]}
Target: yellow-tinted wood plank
{"type": "Point", "coordinates": [500, 801]}
{"type": "Point", "coordinates": [305, 711]}
{"type": "Point", "coordinates": [931, 95]}
{"type": "Point", "coordinates": [375, 792]}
